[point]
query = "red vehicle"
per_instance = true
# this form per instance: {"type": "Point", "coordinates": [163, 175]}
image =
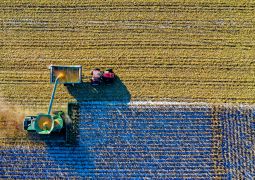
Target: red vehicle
{"type": "Point", "coordinates": [108, 76]}
{"type": "Point", "coordinates": [96, 77]}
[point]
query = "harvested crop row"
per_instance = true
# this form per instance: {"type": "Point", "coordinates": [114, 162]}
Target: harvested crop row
{"type": "Point", "coordinates": [178, 51]}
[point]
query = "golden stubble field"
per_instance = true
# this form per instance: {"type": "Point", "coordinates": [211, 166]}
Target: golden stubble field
{"type": "Point", "coordinates": [161, 50]}
{"type": "Point", "coordinates": [192, 51]}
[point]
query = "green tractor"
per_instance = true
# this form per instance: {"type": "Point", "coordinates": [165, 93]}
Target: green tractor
{"type": "Point", "coordinates": [58, 121]}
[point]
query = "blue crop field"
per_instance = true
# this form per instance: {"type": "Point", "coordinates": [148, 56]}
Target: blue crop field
{"type": "Point", "coordinates": [238, 142]}
{"type": "Point", "coordinates": [145, 140]}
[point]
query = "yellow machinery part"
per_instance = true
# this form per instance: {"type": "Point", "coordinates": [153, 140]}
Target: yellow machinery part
{"type": "Point", "coordinates": [44, 123]}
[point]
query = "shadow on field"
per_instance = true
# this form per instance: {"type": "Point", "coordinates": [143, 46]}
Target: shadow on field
{"type": "Point", "coordinates": [116, 91]}
{"type": "Point", "coordinates": [79, 159]}
{"type": "Point", "coordinates": [85, 92]}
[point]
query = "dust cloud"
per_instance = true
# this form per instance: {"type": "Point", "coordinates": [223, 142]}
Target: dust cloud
{"type": "Point", "coordinates": [11, 121]}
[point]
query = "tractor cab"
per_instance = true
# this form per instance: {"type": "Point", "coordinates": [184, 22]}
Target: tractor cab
{"type": "Point", "coordinates": [108, 76]}
{"type": "Point", "coordinates": [98, 76]}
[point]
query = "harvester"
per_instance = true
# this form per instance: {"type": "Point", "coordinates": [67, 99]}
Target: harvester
{"type": "Point", "coordinates": [58, 121]}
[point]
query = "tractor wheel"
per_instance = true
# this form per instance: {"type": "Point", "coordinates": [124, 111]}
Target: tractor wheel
{"type": "Point", "coordinates": [69, 131]}
{"type": "Point", "coordinates": [25, 125]}
{"type": "Point", "coordinates": [72, 129]}
{"type": "Point", "coordinates": [68, 121]}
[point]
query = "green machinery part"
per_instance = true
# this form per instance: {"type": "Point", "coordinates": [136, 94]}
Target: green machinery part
{"type": "Point", "coordinates": [53, 92]}
{"type": "Point", "coordinates": [47, 123]}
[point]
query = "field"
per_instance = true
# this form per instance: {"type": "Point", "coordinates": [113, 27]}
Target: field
{"type": "Point", "coordinates": [142, 140]}
{"type": "Point", "coordinates": [198, 53]}
{"type": "Point", "coordinates": [180, 51]}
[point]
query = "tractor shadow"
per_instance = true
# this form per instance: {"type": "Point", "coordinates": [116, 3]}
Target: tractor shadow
{"type": "Point", "coordinates": [116, 91]}
{"type": "Point", "coordinates": [84, 92]}
{"type": "Point", "coordinates": [85, 125]}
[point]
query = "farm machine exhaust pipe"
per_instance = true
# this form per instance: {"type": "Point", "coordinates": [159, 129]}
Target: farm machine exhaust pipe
{"type": "Point", "coordinates": [58, 121]}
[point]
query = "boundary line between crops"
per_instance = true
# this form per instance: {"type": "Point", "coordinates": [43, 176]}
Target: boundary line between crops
{"type": "Point", "coordinates": [166, 103]}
